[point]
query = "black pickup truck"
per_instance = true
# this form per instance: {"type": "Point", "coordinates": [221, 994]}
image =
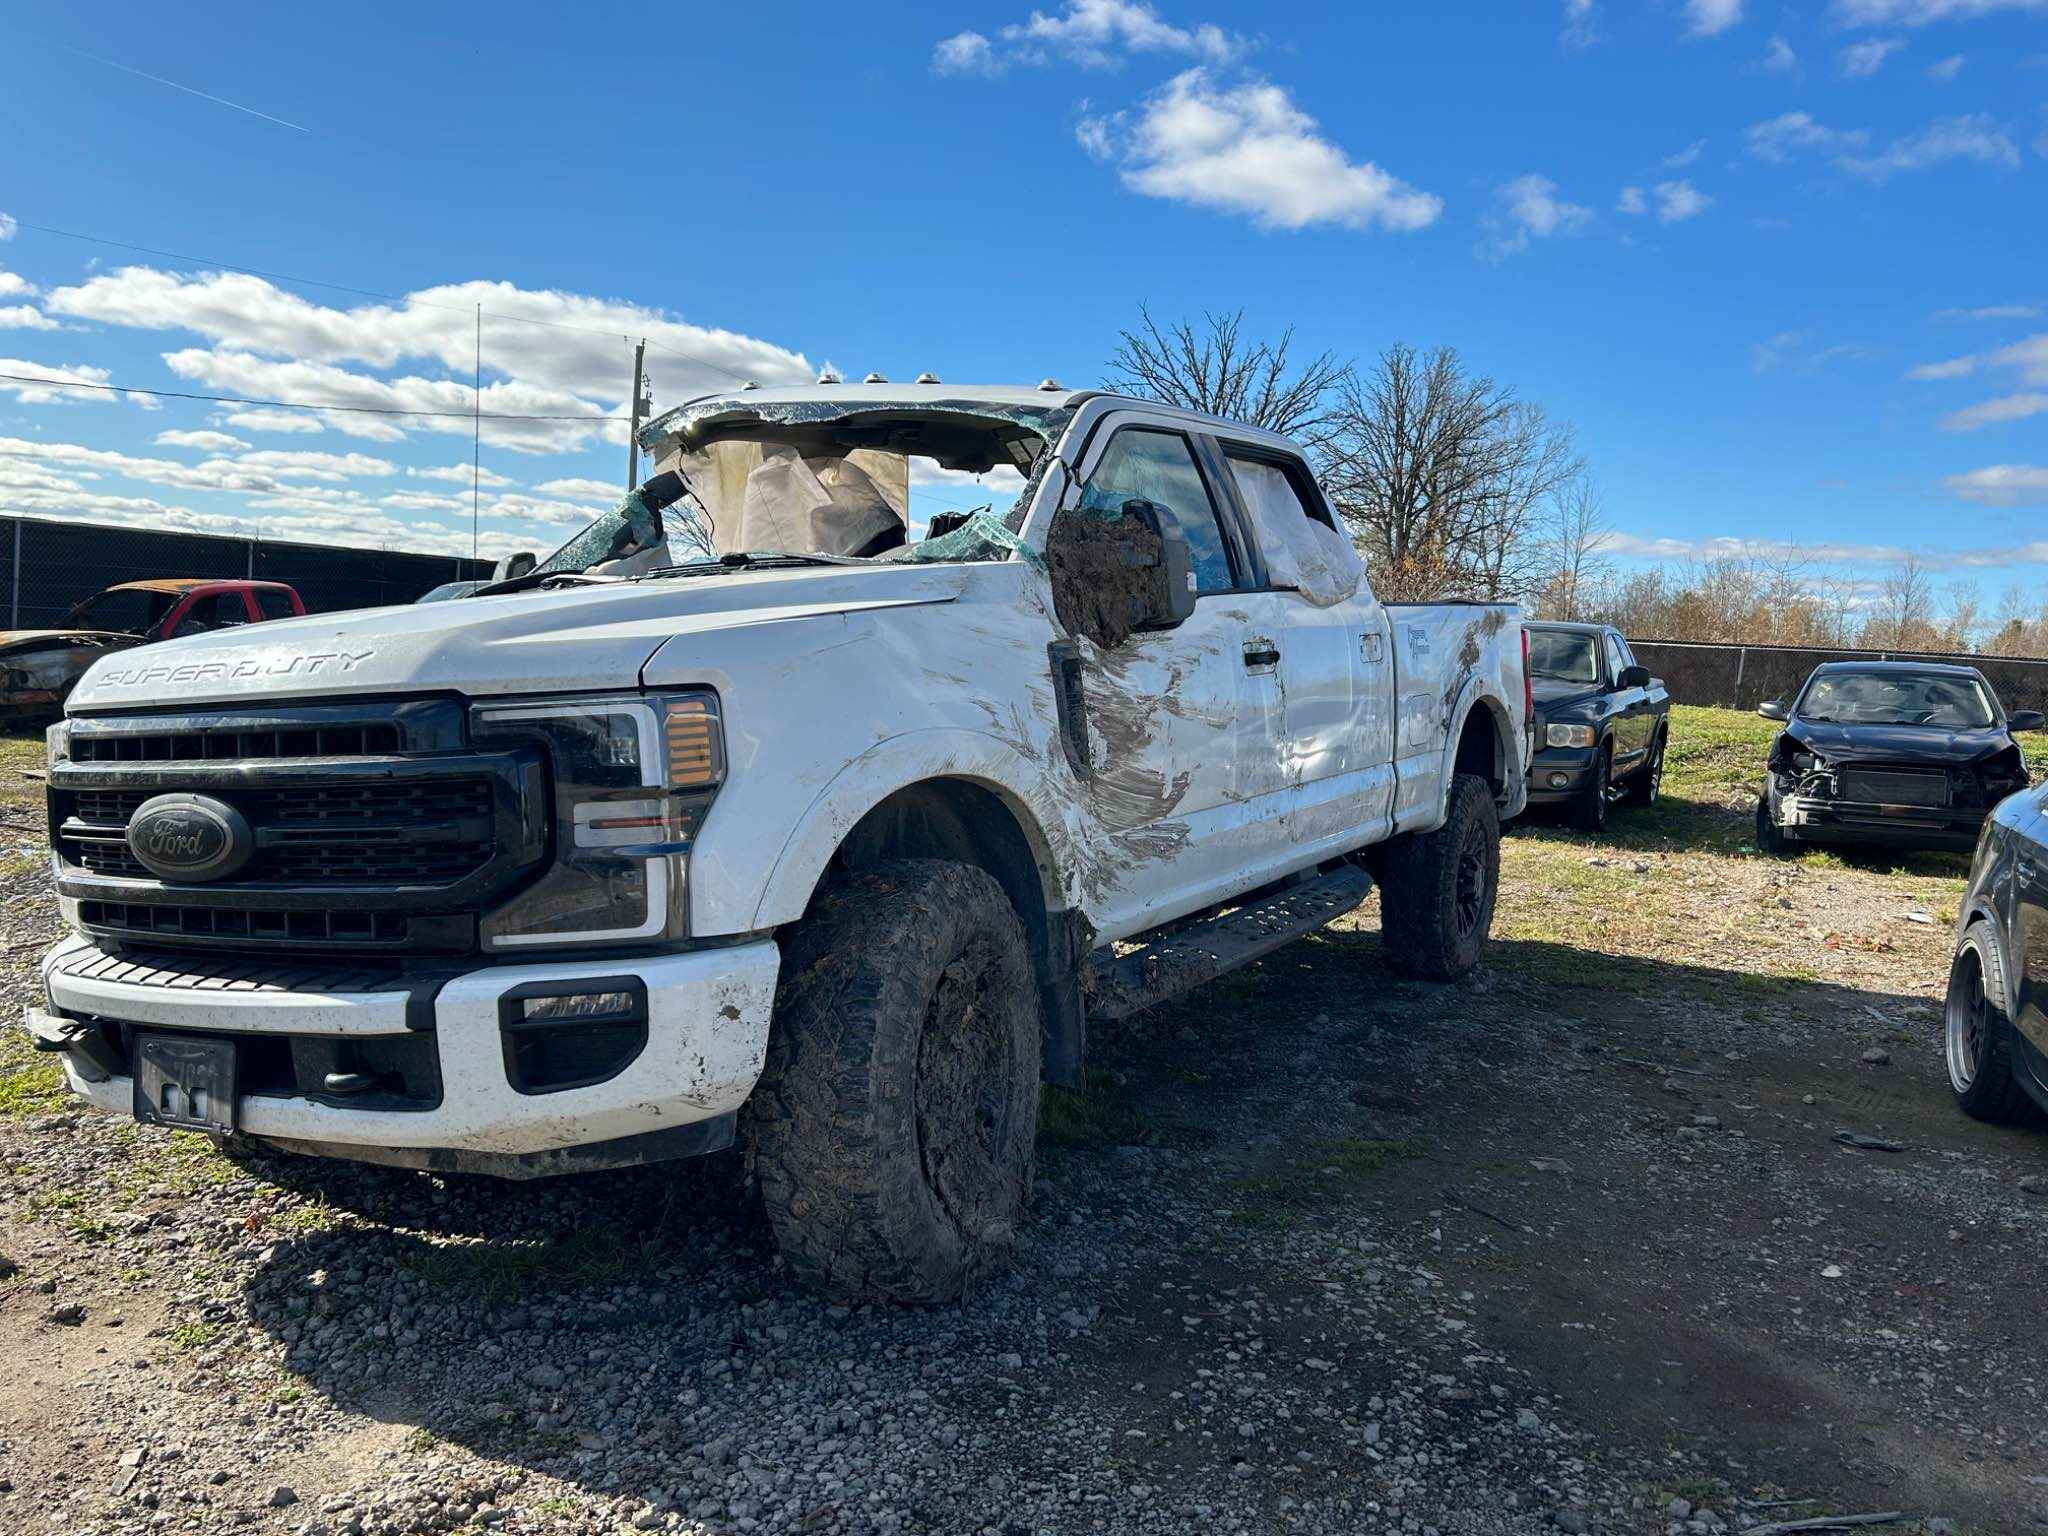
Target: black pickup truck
{"type": "Point", "coordinates": [1601, 723]}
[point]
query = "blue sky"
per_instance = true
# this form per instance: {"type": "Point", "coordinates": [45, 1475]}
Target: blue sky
{"type": "Point", "coordinates": [1781, 266]}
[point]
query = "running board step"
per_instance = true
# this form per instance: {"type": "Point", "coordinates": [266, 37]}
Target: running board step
{"type": "Point", "coordinates": [1122, 985]}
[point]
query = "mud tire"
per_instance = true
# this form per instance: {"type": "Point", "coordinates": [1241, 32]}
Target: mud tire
{"type": "Point", "coordinates": [1438, 888]}
{"type": "Point", "coordinates": [1980, 1072]}
{"type": "Point", "coordinates": [893, 1129]}
{"type": "Point", "coordinates": [1646, 784]}
{"type": "Point", "coordinates": [1770, 842]}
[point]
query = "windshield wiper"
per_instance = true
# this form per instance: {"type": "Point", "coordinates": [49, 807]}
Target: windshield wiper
{"type": "Point", "coordinates": [754, 559]}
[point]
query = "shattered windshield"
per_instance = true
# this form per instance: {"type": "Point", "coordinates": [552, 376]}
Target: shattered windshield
{"type": "Point", "coordinates": [1893, 698]}
{"type": "Point", "coordinates": [1569, 656]}
{"type": "Point", "coordinates": [817, 479]}
{"type": "Point", "coordinates": [125, 610]}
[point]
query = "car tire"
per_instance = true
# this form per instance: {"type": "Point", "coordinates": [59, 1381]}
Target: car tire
{"type": "Point", "coordinates": [1646, 784]}
{"type": "Point", "coordinates": [1769, 840]}
{"type": "Point", "coordinates": [1978, 1035]}
{"type": "Point", "coordinates": [1438, 888]}
{"type": "Point", "coordinates": [1589, 807]}
{"type": "Point", "coordinates": [893, 1128]}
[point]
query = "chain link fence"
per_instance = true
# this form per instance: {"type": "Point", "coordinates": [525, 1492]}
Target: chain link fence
{"type": "Point", "coordinates": [46, 568]}
{"type": "Point", "coordinates": [1743, 676]}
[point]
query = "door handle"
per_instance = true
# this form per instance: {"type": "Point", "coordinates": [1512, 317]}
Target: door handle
{"type": "Point", "coordinates": [1374, 644]}
{"type": "Point", "coordinates": [1261, 653]}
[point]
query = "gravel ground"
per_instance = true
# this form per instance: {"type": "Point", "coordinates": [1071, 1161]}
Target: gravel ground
{"type": "Point", "coordinates": [1568, 1246]}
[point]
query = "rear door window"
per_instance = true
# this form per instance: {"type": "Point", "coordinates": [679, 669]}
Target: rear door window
{"type": "Point", "coordinates": [220, 610]}
{"type": "Point", "coordinates": [274, 604]}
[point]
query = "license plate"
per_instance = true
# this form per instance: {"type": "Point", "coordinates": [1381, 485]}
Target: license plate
{"type": "Point", "coordinates": [185, 1082]}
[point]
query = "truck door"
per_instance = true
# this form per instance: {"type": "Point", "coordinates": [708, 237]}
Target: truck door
{"type": "Point", "coordinates": [2029, 926]}
{"type": "Point", "coordinates": [1632, 729]}
{"type": "Point", "coordinates": [1179, 744]}
{"type": "Point", "coordinates": [1334, 732]}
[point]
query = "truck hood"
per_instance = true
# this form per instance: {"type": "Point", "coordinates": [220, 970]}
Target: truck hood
{"type": "Point", "coordinates": [573, 639]}
{"type": "Point", "coordinates": [1898, 743]}
{"type": "Point", "coordinates": [1554, 694]}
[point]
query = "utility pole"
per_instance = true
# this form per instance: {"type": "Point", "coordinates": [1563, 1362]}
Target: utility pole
{"type": "Point", "coordinates": [476, 440]}
{"type": "Point", "coordinates": [633, 433]}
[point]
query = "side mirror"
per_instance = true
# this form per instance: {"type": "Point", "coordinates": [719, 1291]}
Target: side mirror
{"type": "Point", "coordinates": [2026, 720]}
{"type": "Point", "coordinates": [514, 566]}
{"type": "Point", "coordinates": [1774, 709]}
{"type": "Point", "coordinates": [1633, 677]}
{"type": "Point", "coordinates": [1169, 595]}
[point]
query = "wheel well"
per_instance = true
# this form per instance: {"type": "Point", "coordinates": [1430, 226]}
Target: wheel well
{"type": "Point", "coordinates": [1479, 748]}
{"type": "Point", "coordinates": [970, 824]}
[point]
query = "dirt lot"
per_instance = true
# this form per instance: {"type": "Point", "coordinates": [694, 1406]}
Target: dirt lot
{"type": "Point", "coordinates": [1320, 1250]}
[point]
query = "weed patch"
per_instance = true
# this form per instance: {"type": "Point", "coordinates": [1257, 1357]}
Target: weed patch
{"type": "Point", "coordinates": [1101, 1114]}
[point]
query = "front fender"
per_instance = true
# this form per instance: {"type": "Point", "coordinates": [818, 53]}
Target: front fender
{"type": "Point", "coordinates": [914, 757]}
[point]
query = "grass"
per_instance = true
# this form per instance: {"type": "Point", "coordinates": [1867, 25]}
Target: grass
{"type": "Point", "coordinates": [197, 1336]}
{"type": "Point", "coordinates": [1329, 1173]}
{"type": "Point", "coordinates": [1100, 1114]}
{"type": "Point", "coordinates": [502, 1271]}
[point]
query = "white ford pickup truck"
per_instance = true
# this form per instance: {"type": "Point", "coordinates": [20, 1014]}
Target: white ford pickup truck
{"type": "Point", "coordinates": [749, 815]}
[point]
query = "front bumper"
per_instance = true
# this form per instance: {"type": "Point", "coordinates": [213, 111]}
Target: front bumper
{"type": "Point", "coordinates": [708, 1013]}
{"type": "Point", "coordinates": [1549, 765]}
{"type": "Point", "coordinates": [1849, 823]}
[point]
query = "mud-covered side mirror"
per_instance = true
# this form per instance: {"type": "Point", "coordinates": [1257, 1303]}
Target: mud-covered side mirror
{"type": "Point", "coordinates": [514, 566]}
{"type": "Point", "coordinates": [1170, 591]}
{"type": "Point", "coordinates": [1774, 709]}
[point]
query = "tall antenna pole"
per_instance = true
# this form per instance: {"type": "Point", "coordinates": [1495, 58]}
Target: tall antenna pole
{"type": "Point", "coordinates": [476, 439]}
{"type": "Point", "coordinates": [633, 433]}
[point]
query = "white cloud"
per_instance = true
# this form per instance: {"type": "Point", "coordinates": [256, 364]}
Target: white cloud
{"type": "Point", "coordinates": [1632, 201]}
{"type": "Point", "coordinates": [1944, 71]}
{"type": "Point", "coordinates": [1778, 58]}
{"type": "Point", "coordinates": [2028, 359]}
{"type": "Point", "coordinates": [1094, 34]}
{"type": "Point", "coordinates": [1686, 156]}
{"type": "Point", "coordinates": [1774, 141]}
{"type": "Point", "coordinates": [1529, 209]}
{"type": "Point", "coordinates": [1992, 312]}
{"type": "Point", "coordinates": [1710, 18]}
{"type": "Point", "coordinates": [206, 442]}
{"type": "Point", "coordinates": [461, 474]}
{"type": "Point", "coordinates": [1800, 352]}
{"type": "Point", "coordinates": [37, 394]}
{"type": "Point", "coordinates": [1861, 60]}
{"type": "Point", "coordinates": [275, 421]}
{"type": "Point", "coordinates": [1581, 20]}
{"type": "Point", "coordinates": [561, 353]}
{"type": "Point", "coordinates": [1248, 149]}
{"type": "Point", "coordinates": [297, 464]}
{"type": "Point", "coordinates": [2003, 485]}
{"type": "Point", "coordinates": [1976, 137]}
{"type": "Point", "coordinates": [423, 501]}
{"type": "Point", "coordinates": [7, 226]}
{"type": "Point", "coordinates": [1993, 413]}
{"type": "Point", "coordinates": [1920, 13]}
{"type": "Point", "coordinates": [577, 488]}
{"type": "Point", "coordinates": [1678, 201]}
{"type": "Point", "coordinates": [24, 317]}
{"type": "Point", "coordinates": [13, 284]}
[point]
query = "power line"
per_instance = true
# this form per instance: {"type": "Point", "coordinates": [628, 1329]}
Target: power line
{"type": "Point", "coordinates": [363, 293]}
{"type": "Point", "coordinates": [290, 405]}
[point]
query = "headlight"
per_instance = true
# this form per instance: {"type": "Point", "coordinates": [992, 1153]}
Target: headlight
{"type": "Point", "coordinates": [58, 738]}
{"type": "Point", "coordinates": [1568, 736]}
{"type": "Point", "coordinates": [633, 776]}
{"type": "Point", "coordinates": [1805, 762]}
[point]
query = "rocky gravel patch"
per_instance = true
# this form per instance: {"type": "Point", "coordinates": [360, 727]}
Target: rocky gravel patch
{"type": "Point", "coordinates": [1570, 1246]}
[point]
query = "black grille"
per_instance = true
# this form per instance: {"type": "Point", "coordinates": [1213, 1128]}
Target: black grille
{"type": "Point", "coordinates": [380, 830]}
{"type": "Point", "coordinates": [264, 925]}
{"type": "Point", "coordinates": [367, 739]}
{"type": "Point", "coordinates": [371, 1071]}
{"type": "Point", "coordinates": [348, 834]}
{"type": "Point", "coordinates": [1894, 786]}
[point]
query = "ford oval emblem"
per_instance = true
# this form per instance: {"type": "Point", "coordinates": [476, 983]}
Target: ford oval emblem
{"type": "Point", "coordinates": [190, 837]}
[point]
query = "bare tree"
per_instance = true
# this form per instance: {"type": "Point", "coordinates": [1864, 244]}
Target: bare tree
{"type": "Point", "coordinates": [1901, 619]}
{"type": "Point", "coordinates": [1212, 368]}
{"type": "Point", "coordinates": [1578, 533]}
{"type": "Point", "coordinates": [1442, 474]}
{"type": "Point", "coordinates": [1965, 617]}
